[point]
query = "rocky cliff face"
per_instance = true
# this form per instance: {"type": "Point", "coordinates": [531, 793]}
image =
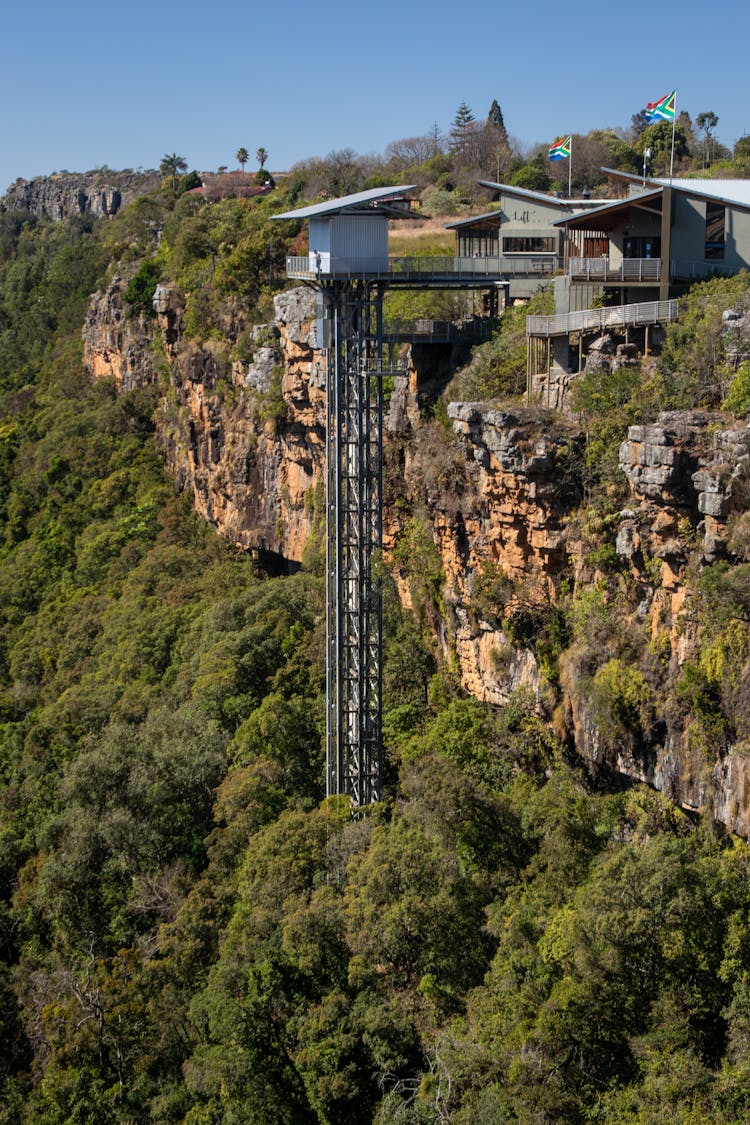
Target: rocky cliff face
{"type": "Point", "coordinates": [248, 438]}
{"type": "Point", "coordinates": [245, 437]}
{"type": "Point", "coordinates": [116, 346]}
{"type": "Point", "coordinates": [688, 475]}
{"type": "Point", "coordinates": [493, 489]}
{"type": "Point", "coordinates": [64, 194]}
{"type": "Point", "coordinates": [502, 511]}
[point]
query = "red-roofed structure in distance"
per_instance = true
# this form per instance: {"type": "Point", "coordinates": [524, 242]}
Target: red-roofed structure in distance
{"type": "Point", "coordinates": [231, 185]}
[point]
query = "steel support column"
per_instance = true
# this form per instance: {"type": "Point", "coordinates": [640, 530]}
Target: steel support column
{"type": "Point", "coordinates": [354, 539]}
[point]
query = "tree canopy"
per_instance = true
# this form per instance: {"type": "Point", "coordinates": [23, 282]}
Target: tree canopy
{"type": "Point", "coordinates": [191, 931]}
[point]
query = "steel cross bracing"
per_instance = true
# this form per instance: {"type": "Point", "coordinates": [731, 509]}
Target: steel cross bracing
{"type": "Point", "coordinates": [354, 475]}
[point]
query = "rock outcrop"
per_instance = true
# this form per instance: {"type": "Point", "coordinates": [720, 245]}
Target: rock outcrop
{"type": "Point", "coordinates": [116, 345]}
{"type": "Point", "coordinates": [687, 472]}
{"type": "Point", "coordinates": [65, 194]}
{"type": "Point", "coordinates": [248, 438]}
{"type": "Point", "coordinates": [512, 487]}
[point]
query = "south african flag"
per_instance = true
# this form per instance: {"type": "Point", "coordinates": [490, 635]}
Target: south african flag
{"type": "Point", "coordinates": [560, 148]}
{"type": "Point", "coordinates": [663, 110]}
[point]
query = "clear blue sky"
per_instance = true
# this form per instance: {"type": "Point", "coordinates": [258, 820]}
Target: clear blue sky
{"type": "Point", "coordinates": [123, 84]}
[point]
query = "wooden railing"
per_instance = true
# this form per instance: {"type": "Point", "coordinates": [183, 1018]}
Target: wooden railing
{"type": "Point", "coordinates": [598, 320]}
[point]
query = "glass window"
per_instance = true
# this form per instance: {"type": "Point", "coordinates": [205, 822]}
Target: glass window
{"type": "Point", "coordinates": [529, 245]}
{"type": "Point", "coordinates": [477, 245]}
{"type": "Point", "coordinates": [715, 217]}
{"type": "Point", "coordinates": [641, 247]}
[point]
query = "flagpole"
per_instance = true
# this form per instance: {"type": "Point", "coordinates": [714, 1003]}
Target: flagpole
{"type": "Point", "coordinates": [570, 168]}
{"type": "Point", "coordinates": [674, 122]}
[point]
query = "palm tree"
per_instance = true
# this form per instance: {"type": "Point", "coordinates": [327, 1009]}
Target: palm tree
{"type": "Point", "coordinates": [261, 156]}
{"type": "Point", "coordinates": [242, 156]}
{"type": "Point", "coordinates": [171, 165]}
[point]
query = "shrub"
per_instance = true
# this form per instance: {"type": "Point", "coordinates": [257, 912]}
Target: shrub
{"type": "Point", "coordinates": [738, 392]}
{"type": "Point", "coordinates": [498, 368]}
{"type": "Point", "coordinates": [140, 291]}
{"type": "Point", "coordinates": [694, 368]}
{"type": "Point", "coordinates": [622, 701]}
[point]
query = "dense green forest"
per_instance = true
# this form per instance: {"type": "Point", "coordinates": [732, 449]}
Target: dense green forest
{"type": "Point", "coordinates": [190, 932]}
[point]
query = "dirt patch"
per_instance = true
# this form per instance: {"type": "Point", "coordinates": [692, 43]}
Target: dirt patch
{"type": "Point", "coordinates": [413, 228]}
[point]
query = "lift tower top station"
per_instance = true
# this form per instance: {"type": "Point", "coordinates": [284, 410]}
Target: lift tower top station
{"type": "Point", "coordinates": [348, 264]}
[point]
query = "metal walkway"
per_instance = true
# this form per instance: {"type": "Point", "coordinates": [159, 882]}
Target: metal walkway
{"type": "Point", "coordinates": [426, 273]}
{"type": "Point", "coordinates": [599, 320]}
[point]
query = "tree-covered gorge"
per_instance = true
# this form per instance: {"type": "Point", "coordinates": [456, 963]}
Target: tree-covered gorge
{"type": "Point", "coordinates": [189, 931]}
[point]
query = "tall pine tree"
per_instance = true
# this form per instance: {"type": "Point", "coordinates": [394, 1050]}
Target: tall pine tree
{"type": "Point", "coordinates": [461, 127]}
{"type": "Point", "coordinates": [495, 120]}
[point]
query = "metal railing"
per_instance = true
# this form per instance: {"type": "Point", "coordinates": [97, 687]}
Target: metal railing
{"type": "Point", "coordinates": [601, 269]}
{"type": "Point", "coordinates": [538, 265]}
{"type": "Point", "coordinates": [438, 331]}
{"type": "Point", "coordinates": [598, 320]}
{"type": "Point", "coordinates": [683, 269]}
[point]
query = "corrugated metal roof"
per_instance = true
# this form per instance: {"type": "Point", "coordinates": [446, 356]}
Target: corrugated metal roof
{"type": "Point", "coordinates": [347, 202]}
{"type": "Point", "coordinates": [540, 196]}
{"type": "Point", "coordinates": [475, 219]}
{"type": "Point", "coordinates": [729, 191]}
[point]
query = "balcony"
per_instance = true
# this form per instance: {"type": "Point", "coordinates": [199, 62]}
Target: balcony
{"type": "Point", "coordinates": [684, 269]}
{"type": "Point", "coordinates": [602, 269]}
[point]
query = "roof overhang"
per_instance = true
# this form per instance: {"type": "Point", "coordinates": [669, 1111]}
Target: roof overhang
{"type": "Point", "coordinates": [608, 216]}
{"type": "Point", "coordinates": [732, 193]}
{"type": "Point", "coordinates": [477, 220]}
{"type": "Point", "coordinates": [540, 196]}
{"type": "Point", "coordinates": [378, 200]}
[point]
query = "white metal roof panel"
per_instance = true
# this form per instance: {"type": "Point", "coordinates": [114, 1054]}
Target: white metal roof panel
{"type": "Point", "coordinates": [730, 191]}
{"type": "Point", "coordinates": [540, 196]}
{"type": "Point", "coordinates": [347, 202]}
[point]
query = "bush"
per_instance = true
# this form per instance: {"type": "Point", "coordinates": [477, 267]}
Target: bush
{"type": "Point", "coordinates": [738, 392]}
{"type": "Point", "coordinates": [498, 368]}
{"type": "Point", "coordinates": [140, 291]}
{"type": "Point", "coordinates": [694, 368]}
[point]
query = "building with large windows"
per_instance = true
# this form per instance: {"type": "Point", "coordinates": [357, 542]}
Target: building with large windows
{"type": "Point", "coordinates": [660, 238]}
{"type": "Point", "coordinates": [624, 263]}
{"type": "Point", "coordinates": [519, 234]}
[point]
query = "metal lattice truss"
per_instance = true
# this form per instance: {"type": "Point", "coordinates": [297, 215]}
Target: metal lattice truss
{"type": "Point", "coordinates": [354, 468]}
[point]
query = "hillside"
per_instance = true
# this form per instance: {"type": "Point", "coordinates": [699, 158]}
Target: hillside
{"type": "Point", "coordinates": [522, 930]}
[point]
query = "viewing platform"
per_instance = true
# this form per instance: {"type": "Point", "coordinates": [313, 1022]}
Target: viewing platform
{"type": "Point", "coordinates": [477, 271]}
{"type": "Point", "coordinates": [433, 272]}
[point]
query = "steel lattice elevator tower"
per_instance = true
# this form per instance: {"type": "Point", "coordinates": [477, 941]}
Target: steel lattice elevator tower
{"type": "Point", "coordinates": [348, 264]}
{"type": "Point", "coordinates": [354, 536]}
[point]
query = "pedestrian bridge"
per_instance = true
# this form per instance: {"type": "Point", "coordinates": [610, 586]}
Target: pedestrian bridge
{"type": "Point", "coordinates": [427, 272]}
{"type": "Point", "coordinates": [599, 320]}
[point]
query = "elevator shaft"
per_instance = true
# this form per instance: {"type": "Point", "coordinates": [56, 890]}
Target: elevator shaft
{"type": "Point", "coordinates": [354, 534]}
